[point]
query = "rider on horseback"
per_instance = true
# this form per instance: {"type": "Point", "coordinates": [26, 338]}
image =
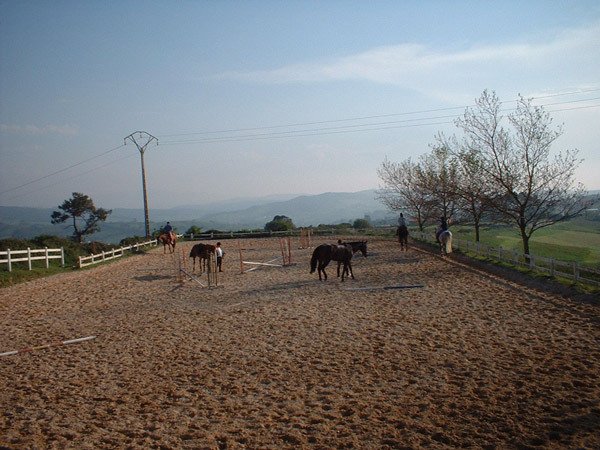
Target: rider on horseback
{"type": "Point", "coordinates": [401, 221]}
{"type": "Point", "coordinates": [443, 227]}
{"type": "Point", "coordinates": [168, 229]}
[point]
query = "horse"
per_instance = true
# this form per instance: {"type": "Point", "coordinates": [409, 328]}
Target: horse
{"type": "Point", "coordinates": [325, 253]}
{"type": "Point", "coordinates": [445, 240]}
{"type": "Point", "coordinates": [355, 246]}
{"type": "Point", "coordinates": [201, 251]}
{"type": "Point", "coordinates": [402, 233]}
{"type": "Point", "coordinates": [169, 239]}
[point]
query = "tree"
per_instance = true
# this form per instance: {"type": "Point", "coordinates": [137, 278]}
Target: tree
{"type": "Point", "coordinates": [86, 217]}
{"type": "Point", "coordinates": [361, 224]}
{"type": "Point", "coordinates": [473, 191]}
{"type": "Point", "coordinates": [194, 230]}
{"type": "Point", "coordinates": [280, 223]}
{"type": "Point", "coordinates": [402, 190]}
{"type": "Point", "coordinates": [533, 189]}
{"type": "Point", "coordinates": [437, 173]}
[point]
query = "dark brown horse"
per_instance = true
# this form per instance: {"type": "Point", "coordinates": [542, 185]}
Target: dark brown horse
{"type": "Point", "coordinates": [402, 233]}
{"type": "Point", "coordinates": [355, 246]}
{"type": "Point", "coordinates": [203, 252]}
{"type": "Point", "coordinates": [168, 239]}
{"type": "Point", "coordinates": [325, 253]}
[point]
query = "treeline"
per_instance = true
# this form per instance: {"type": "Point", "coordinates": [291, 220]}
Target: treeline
{"type": "Point", "coordinates": [500, 169]}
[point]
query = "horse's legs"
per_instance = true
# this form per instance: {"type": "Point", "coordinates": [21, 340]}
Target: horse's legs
{"type": "Point", "coordinates": [349, 269]}
{"type": "Point", "coordinates": [322, 269]}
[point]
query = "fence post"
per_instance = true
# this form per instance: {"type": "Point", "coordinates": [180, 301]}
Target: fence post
{"type": "Point", "coordinates": [62, 257]}
{"type": "Point", "coordinates": [29, 257]}
{"type": "Point", "coordinates": [47, 259]}
{"type": "Point", "coordinates": [8, 261]}
{"type": "Point", "coordinates": [576, 270]}
{"type": "Point", "coordinates": [79, 263]}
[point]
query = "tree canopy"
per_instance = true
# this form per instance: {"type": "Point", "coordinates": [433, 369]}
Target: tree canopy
{"type": "Point", "coordinates": [501, 166]}
{"type": "Point", "coordinates": [84, 215]}
{"type": "Point", "coordinates": [280, 223]}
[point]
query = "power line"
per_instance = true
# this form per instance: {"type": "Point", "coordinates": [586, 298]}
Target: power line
{"type": "Point", "coordinates": [61, 170]}
{"type": "Point", "coordinates": [378, 126]}
{"type": "Point", "coordinates": [62, 180]}
{"type": "Point", "coordinates": [379, 116]}
{"type": "Point", "coordinates": [350, 128]}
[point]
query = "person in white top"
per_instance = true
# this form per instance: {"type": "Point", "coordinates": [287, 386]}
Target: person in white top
{"type": "Point", "coordinates": [219, 253]}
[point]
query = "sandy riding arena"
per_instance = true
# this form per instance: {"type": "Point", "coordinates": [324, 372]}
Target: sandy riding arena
{"type": "Point", "coordinates": [417, 351]}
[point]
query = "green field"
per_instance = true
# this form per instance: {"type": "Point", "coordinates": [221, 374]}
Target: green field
{"type": "Point", "coordinates": [576, 240]}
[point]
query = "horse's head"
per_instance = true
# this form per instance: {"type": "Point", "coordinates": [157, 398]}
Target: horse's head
{"type": "Point", "coordinates": [363, 248]}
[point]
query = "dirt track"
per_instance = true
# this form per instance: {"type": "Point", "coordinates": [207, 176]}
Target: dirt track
{"type": "Point", "coordinates": [276, 359]}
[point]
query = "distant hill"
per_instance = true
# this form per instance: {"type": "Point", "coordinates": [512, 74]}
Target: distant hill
{"type": "Point", "coordinates": [236, 214]}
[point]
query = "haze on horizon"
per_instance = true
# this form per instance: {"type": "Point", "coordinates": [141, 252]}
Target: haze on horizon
{"type": "Point", "coordinates": [253, 99]}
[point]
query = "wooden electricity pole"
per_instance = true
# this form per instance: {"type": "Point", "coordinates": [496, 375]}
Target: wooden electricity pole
{"type": "Point", "coordinates": [143, 139]}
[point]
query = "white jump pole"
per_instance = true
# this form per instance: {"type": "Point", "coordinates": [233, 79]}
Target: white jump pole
{"type": "Point", "coordinates": [52, 344]}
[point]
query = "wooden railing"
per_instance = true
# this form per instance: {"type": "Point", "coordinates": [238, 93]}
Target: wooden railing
{"type": "Point", "coordinates": [111, 254]}
{"type": "Point", "coordinates": [572, 270]}
{"type": "Point", "coordinates": [37, 254]}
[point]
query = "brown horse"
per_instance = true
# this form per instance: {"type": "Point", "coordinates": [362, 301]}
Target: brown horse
{"type": "Point", "coordinates": [402, 233]}
{"type": "Point", "coordinates": [355, 247]}
{"type": "Point", "coordinates": [168, 239]}
{"type": "Point", "coordinates": [203, 252]}
{"type": "Point", "coordinates": [325, 253]}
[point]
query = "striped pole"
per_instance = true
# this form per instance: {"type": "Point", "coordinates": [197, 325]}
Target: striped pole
{"type": "Point", "coordinates": [53, 344]}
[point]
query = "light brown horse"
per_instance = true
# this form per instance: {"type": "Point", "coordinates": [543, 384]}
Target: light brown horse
{"type": "Point", "coordinates": [168, 239]}
{"type": "Point", "coordinates": [203, 252]}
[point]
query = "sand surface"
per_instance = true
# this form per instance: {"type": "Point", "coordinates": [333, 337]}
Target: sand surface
{"type": "Point", "coordinates": [276, 359]}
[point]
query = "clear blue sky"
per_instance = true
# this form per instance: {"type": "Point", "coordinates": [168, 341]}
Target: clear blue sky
{"type": "Point", "coordinates": [252, 98]}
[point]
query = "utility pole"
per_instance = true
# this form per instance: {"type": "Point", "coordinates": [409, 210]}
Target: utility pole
{"type": "Point", "coordinates": [143, 139]}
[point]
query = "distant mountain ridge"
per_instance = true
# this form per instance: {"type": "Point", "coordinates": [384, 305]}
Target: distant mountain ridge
{"type": "Point", "coordinates": [234, 214]}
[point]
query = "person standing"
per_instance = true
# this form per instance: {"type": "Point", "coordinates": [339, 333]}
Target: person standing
{"type": "Point", "coordinates": [219, 253]}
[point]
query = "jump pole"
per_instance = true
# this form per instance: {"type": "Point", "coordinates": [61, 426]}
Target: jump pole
{"type": "Point", "coordinates": [52, 344]}
{"type": "Point", "coordinates": [286, 250]}
{"type": "Point", "coordinates": [192, 277]}
{"type": "Point", "coordinates": [386, 288]}
{"type": "Point", "coordinates": [305, 234]}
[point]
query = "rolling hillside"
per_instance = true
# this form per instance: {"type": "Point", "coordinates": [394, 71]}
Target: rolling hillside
{"type": "Point", "coordinates": [304, 210]}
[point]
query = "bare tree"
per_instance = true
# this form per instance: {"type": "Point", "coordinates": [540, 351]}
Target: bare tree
{"type": "Point", "coordinates": [402, 190]}
{"type": "Point", "coordinates": [474, 191]}
{"type": "Point", "coordinates": [85, 216]}
{"type": "Point", "coordinates": [534, 189]}
{"type": "Point", "coordinates": [437, 173]}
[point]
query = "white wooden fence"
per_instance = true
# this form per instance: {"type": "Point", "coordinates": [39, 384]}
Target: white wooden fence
{"type": "Point", "coordinates": [37, 254]}
{"type": "Point", "coordinates": [571, 270]}
{"type": "Point", "coordinates": [111, 254]}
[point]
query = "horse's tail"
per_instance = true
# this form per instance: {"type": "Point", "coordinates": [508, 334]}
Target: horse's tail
{"type": "Point", "coordinates": [313, 261]}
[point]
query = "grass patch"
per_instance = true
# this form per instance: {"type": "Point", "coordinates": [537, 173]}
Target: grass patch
{"type": "Point", "coordinates": [19, 275]}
